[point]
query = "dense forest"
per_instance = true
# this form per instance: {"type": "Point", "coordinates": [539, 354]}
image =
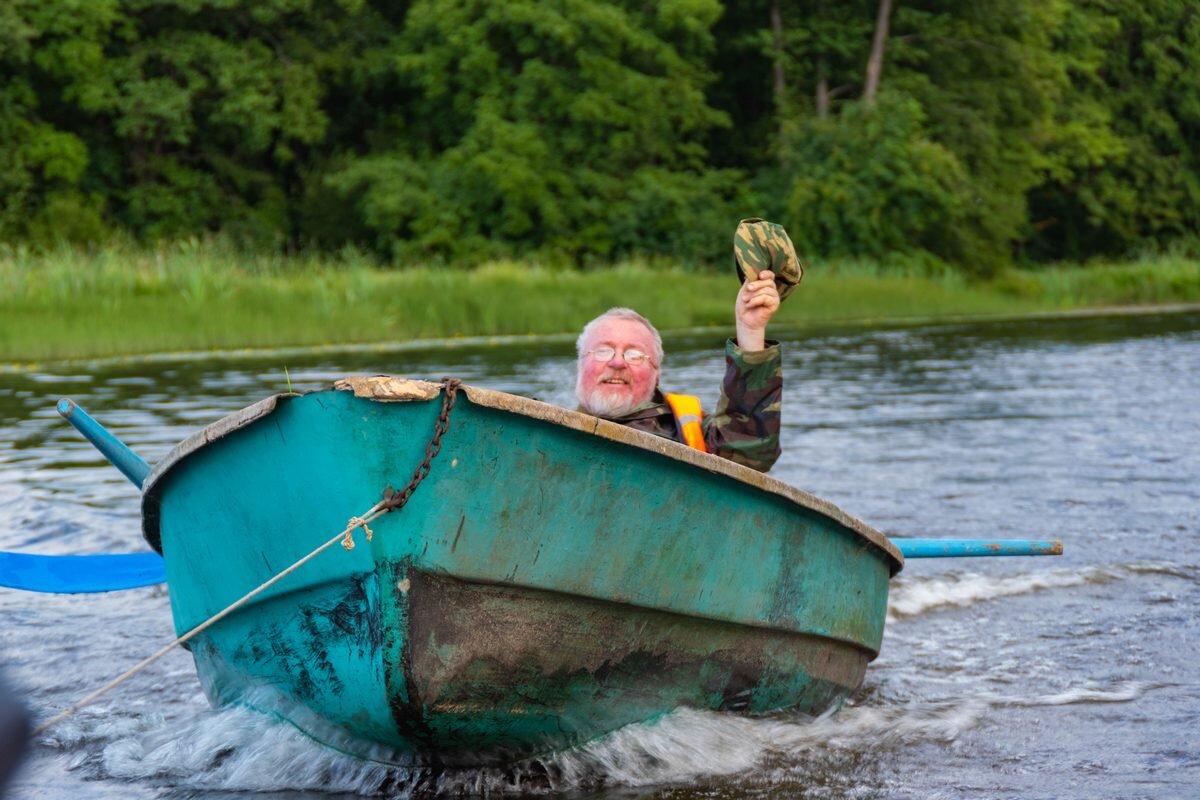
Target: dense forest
{"type": "Point", "coordinates": [953, 132]}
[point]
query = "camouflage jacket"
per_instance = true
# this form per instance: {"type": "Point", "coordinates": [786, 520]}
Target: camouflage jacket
{"type": "Point", "coordinates": [745, 427]}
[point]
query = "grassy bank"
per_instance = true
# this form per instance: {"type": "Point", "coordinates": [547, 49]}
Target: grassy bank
{"type": "Point", "coordinates": [190, 297]}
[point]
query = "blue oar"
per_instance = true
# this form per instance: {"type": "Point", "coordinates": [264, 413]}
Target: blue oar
{"type": "Point", "coordinates": [74, 574]}
{"type": "Point", "coordinates": [959, 548]}
{"type": "Point", "coordinates": [98, 573]}
{"type": "Point", "coordinates": [108, 573]}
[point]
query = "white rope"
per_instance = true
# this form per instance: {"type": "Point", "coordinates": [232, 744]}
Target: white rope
{"type": "Point", "coordinates": [347, 535]}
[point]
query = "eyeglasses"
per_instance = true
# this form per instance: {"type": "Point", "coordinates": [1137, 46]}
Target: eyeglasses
{"type": "Point", "coordinates": [631, 355]}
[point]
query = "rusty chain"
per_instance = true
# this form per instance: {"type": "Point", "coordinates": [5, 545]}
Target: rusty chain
{"type": "Point", "coordinates": [396, 500]}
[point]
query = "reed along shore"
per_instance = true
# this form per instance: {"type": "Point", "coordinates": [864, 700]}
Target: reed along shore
{"type": "Point", "coordinates": [74, 303]}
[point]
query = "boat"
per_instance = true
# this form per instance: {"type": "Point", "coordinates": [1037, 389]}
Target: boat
{"type": "Point", "coordinates": [555, 577]}
{"type": "Point", "coordinates": [545, 577]}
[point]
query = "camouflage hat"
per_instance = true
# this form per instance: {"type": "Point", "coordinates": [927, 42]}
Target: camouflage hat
{"type": "Point", "coordinates": [759, 245]}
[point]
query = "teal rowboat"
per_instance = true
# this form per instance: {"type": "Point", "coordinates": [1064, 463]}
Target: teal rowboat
{"type": "Point", "coordinates": [555, 577]}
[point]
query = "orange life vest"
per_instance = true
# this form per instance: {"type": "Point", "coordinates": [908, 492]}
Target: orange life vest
{"type": "Point", "coordinates": [687, 418]}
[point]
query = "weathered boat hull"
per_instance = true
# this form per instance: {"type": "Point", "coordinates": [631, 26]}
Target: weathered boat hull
{"type": "Point", "coordinates": [490, 674]}
{"type": "Point", "coordinates": [548, 582]}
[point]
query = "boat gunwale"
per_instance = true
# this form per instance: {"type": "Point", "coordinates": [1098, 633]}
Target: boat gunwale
{"type": "Point", "coordinates": [386, 388]}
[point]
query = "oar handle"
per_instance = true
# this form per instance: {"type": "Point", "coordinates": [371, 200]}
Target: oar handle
{"type": "Point", "coordinates": [957, 548]}
{"type": "Point", "coordinates": [109, 446]}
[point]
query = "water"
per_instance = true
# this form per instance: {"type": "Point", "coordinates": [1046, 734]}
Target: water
{"type": "Point", "coordinates": [1069, 677]}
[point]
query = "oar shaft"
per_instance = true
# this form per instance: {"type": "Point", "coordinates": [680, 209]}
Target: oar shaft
{"type": "Point", "coordinates": [957, 548]}
{"type": "Point", "coordinates": [109, 446]}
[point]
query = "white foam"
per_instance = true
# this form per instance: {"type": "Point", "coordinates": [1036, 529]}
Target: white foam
{"type": "Point", "coordinates": [681, 746]}
{"type": "Point", "coordinates": [1119, 693]}
{"type": "Point", "coordinates": [241, 750]}
{"type": "Point", "coordinates": [237, 749]}
{"type": "Point", "coordinates": [915, 595]}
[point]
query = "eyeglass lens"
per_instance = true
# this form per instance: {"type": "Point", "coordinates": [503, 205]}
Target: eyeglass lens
{"type": "Point", "coordinates": [632, 355]}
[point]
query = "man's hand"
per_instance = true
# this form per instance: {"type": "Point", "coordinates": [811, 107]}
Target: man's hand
{"type": "Point", "coordinates": [756, 303]}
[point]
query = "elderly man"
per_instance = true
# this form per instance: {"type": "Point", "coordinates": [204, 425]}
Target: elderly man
{"type": "Point", "coordinates": [620, 360]}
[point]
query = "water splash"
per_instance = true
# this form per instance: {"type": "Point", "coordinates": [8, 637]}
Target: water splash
{"type": "Point", "coordinates": [913, 596]}
{"type": "Point", "coordinates": [243, 751]}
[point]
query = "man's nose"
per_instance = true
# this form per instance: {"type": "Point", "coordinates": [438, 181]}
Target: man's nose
{"type": "Point", "coordinates": [618, 361]}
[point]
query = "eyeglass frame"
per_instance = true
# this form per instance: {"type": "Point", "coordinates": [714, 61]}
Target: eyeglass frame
{"type": "Point", "coordinates": [637, 362]}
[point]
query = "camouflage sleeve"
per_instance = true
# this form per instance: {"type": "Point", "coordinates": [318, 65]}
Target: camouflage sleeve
{"type": "Point", "coordinates": [745, 427]}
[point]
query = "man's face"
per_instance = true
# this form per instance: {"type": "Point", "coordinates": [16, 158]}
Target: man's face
{"type": "Point", "coordinates": [616, 388]}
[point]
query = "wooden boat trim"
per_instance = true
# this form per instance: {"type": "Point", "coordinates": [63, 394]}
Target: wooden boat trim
{"type": "Point", "coordinates": [384, 388]}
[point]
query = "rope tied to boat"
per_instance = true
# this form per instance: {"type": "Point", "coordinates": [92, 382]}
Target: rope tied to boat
{"type": "Point", "coordinates": [392, 501]}
{"type": "Point", "coordinates": [355, 522]}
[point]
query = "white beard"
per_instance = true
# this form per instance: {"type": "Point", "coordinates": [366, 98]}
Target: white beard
{"type": "Point", "coordinates": [599, 403]}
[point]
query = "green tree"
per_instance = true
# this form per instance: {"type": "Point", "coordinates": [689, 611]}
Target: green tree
{"type": "Point", "coordinates": [872, 182]}
{"type": "Point", "coordinates": [173, 116]}
{"type": "Point", "coordinates": [965, 100]}
{"type": "Point", "coordinates": [44, 49]}
{"type": "Point", "coordinates": [574, 129]}
{"type": "Point", "coordinates": [580, 130]}
{"type": "Point", "coordinates": [986, 77]}
{"type": "Point", "coordinates": [1121, 171]}
{"type": "Point", "coordinates": [212, 102]}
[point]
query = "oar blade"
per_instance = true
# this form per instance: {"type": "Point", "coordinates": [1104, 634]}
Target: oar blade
{"type": "Point", "coordinates": [80, 574]}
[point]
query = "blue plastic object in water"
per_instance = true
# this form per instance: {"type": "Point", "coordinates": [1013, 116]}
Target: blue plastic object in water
{"type": "Point", "coordinates": [76, 574]}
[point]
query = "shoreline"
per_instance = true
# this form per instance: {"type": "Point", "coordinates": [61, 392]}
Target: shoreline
{"type": "Point", "coordinates": [856, 324]}
{"type": "Point", "coordinates": [133, 305]}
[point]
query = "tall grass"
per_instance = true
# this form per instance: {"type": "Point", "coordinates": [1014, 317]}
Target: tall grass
{"type": "Point", "coordinates": [1147, 281]}
{"type": "Point", "coordinates": [192, 295]}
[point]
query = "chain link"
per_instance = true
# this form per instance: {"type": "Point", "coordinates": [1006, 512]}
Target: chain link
{"type": "Point", "coordinates": [396, 500]}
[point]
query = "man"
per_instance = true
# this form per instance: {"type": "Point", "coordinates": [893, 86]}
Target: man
{"type": "Point", "coordinates": [620, 361]}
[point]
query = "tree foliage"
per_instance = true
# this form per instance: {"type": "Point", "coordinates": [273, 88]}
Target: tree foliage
{"type": "Point", "coordinates": [1122, 169]}
{"type": "Point", "coordinates": [453, 131]}
{"type": "Point", "coordinates": [573, 129]}
{"type": "Point", "coordinates": [871, 182]}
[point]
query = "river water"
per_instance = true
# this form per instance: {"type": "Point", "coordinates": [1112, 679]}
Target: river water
{"type": "Point", "coordinates": [1068, 677]}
